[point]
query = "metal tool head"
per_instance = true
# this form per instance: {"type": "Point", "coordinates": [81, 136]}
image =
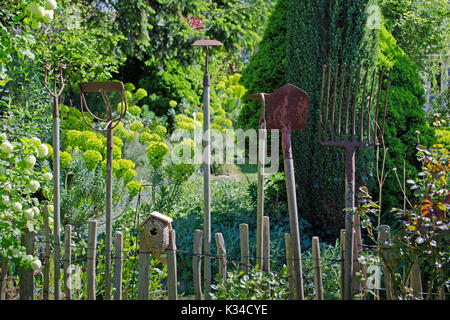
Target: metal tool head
{"type": "Point", "coordinates": [287, 108]}
{"type": "Point", "coordinates": [207, 43]}
{"type": "Point", "coordinates": [107, 86]}
{"type": "Point", "coordinates": [103, 88]}
{"type": "Point", "coordinates": [360, 125]}
{"type": "Point", "coordinates": [58, 74]}
{"type": "Point", "coordinates": [260, 96]}
{"type": "Point", "coordinates": [257, 96]}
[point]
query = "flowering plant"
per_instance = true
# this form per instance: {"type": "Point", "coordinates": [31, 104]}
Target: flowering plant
{"type": "Point", "coordinates": [22, 184]}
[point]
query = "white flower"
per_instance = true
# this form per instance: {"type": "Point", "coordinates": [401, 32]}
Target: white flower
{"type": "Point", "coordinates": [40, 12]}
{"type": "Point", "coordinates": [42, 151]}
{"type": "Point", "coordinates": [5, 200]}
{"type": "Point", "coordinates": [36, 211]}
{"type": "Point", "coordinates": [33, 186]}
{"type": "Point", "coordinates": [35, 141]}
{"type": "Point", "coordinates": [50, 4]}
{"type": "Point", "coordinates": [48, 176]}
{"type": "Point", "coordinates": [15, 252]}
{"type": "Point", "coordinates": [48, 16]}
{"type": "Point", "coordinates": [29, 213]}
{"type": "Point", "coordinates": [2, 136]}
{"type": "Point", "coordinates": [36, 264]}
{"type": "Point", "coordinates": [6, 147]}
{"type": "Point", "coordinates": [30, 161]}
{"type": "Point", "coordinates": [7, 187]}
{"type": "Point", "coordinates": [50, 208]}
{"type": "Point", "coordinates": [17, 206]}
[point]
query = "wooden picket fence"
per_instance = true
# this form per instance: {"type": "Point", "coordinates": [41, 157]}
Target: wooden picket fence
{"type": "Point", "coordinates": [27, 285]}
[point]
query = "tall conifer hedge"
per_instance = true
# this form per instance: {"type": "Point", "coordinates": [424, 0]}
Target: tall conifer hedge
{"type": "Point", "coordinates": [323, 31]}
{"type": "Point", "coordinates": [266, 69]}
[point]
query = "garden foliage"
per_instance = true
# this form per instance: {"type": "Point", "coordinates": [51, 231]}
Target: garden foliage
{"type": "Point", "coordinates": [404, 117]}
{"type": "Point", "coordinates": [265, 71]}
{"type": "Point", "coordinates": [421, 235]}
{"type": "Point", "coordinates": [320, 32]}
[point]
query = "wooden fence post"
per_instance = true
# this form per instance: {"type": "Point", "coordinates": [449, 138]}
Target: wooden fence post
{"type": "Point", "coordinates": [262, 134]}
{"type": "Point", "coordinates": [342, 258]}
{"type": "Point", "coordinates": [357, 251]}
{"type": "Point", "coordinates": [197, 263]}
{"type": "Point", "coordinates": [47, 252]}
{"type": "Point", "coordinates": [245, 252]}
{"type": "Point", "coordinates": [118, 256]}
{"type": "Point", "coordinates": [68, 262]}
{"type": "Point", "coordinates": [416, 281]}
{"type": "Point", "coordinates": [222, 255]}
{"type": "Point", "coordinates": [266, 245]}
{"type": "Point", "coordinates": [144, 263]}
{"type": "Point", "coordinates": [317, 268]}
{"type": "Point", "coordinates": [26, 275]}
{"type": "Point", "coordinates": [91, 259]}
{"type": "Point", "coordinates": [3, 277]}
{"type": "Point", "coordinates": [356, 282]}
{"type": "Point", "coordinates": [172, 266]}
{"type": "Point", "coordinates": [384, 239]}
{"type": "Point", "coordinates": [290, 267]}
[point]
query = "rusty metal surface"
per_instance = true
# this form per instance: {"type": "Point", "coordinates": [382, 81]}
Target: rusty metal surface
{"type": "Point", "coordinates": [102, 88]}
{"type": "Point", "coordinates": [108, 86]}
{"type": "Point", "coordinates": [261, 96]}
{"type": "Point", "coordinates": [207, 43]}
{"type": "Point", "coordinates": [363, 133]}
{"type": "Point", "coordinates": [361, 126]}
{"type": "Point", "coordinates": [287, 110]}
{"type": "Point", "coordinates": [287, 107]}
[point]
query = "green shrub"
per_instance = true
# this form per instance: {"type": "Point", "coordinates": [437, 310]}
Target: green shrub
{"type": "Point", "coordinates": [174, 82]}
{"type": "Point", "coordinates": [320, 32]}
{"type": "Point", "coordinates": [23, 185]}
{"type": "Point", "coordinates": [256, 285]}
{"type": "Point", "coordinates": [266, 69]}
{"type": "Point", "coordinates": [404, 116]}
{"type": "Point", "coordinates": [421, 236]}
{"type": "Point", "coordinates": [443, 136]}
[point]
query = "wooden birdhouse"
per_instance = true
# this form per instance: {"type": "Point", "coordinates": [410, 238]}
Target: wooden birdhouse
{"type": "Point", "coordinates": [155, 235]}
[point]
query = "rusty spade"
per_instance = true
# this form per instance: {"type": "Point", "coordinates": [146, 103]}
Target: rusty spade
{"type": "Point", "coordinates": [287, 110]}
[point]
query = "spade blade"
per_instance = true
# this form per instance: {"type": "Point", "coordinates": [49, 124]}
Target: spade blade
{"type": "Point", "coordinates": [287, 107]}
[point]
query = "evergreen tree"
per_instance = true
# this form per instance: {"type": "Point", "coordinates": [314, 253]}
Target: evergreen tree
{"type": "Point", "coordinates": [318, 32]}
{"type": "Point", "coordinates": [265, 71]}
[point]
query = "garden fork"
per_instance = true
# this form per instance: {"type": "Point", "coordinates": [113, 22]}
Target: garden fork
{"type": "Point", "coordinates": [364, 135]}
{"type": "Point", "coordinates": [56, 93]}
{"type": "Point", "coordinates": [111, 123]}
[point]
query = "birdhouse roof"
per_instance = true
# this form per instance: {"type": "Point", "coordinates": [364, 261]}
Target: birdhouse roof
{"type": "Point", "coordinates": [159, 216]}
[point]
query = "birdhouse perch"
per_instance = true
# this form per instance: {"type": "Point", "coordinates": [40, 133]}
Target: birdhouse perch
{"type": "Point", "coordinates": [155, 235]}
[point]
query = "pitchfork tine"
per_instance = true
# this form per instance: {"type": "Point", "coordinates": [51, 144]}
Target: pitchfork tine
{"type": "Point", "coordinates": [354, 103]}
{"type": "Point", "coordinates": [370, 101]}
{"type": "Point", "coordinates": [328, 100]}
{"type": "Point", "coordinates": [380, 82]}
{"type": "Point", "coordinates": [320, 103]}
{"type": "Point", "coordinates": [350, 78]}
{"type": "Point", "coordinates": [334, 101]}
{"type": "Point", "coordinates": [363, 103]}
{"type": "Point", "coordinates": [385, 101]}
{"type": "Point", "coordinates": [344, 68]}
